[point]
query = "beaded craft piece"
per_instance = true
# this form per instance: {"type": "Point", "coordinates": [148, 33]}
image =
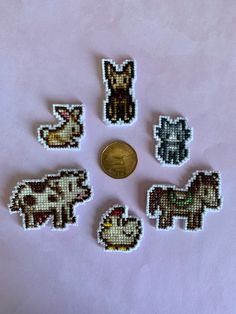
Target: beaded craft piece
{"type": "Point", "coordinates": [120, 106]}
{"type": "Point", "coordinates": [51, 198]}
{"type": "Point", "coordinates": [119, 232]}
{"type": "Point", "coordinates": [172, 137]}
{"type": "Point", "coordinates": [69, 131]}
{"type": "Point", "coordinates": [202, 192]}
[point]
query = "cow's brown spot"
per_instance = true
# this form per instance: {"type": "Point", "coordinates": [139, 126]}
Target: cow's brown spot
{"type": "Point", "coordinates": [29, 200]}
{"type": "Point", "coordinates": [57, 189]}
{"type": "Point", "coordinates": [37, 187]}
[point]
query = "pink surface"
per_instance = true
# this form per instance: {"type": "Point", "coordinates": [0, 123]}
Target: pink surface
{"type": "Point", "coordinates": [50, 52]}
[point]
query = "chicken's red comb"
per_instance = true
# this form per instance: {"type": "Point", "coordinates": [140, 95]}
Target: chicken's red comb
{"type": "Point", "coordinates": [117, 211]}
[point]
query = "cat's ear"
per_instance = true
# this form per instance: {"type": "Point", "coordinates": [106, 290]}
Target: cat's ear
{"type": "Point", "coordinates": [181, 124]}
{"type": "Point", "coordinates": [164, 122]}
{"type": "Point", "coordinates": [109, 69]}
{"type": "Point", "coordinates": [129, 68]}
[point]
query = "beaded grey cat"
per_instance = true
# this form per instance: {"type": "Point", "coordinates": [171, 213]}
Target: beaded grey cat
{"type": "Point", "coordinates": [172, 137]}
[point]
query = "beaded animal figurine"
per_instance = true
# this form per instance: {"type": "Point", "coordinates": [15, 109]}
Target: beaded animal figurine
{"type": "Point", "coordinates": [119, 232]}
{"type": "Point", "coordinates": [120, 106]}
{"type": "Point", "coordinates": [172, 137]}
{"type": "Point", "coordinates": [202, 192]}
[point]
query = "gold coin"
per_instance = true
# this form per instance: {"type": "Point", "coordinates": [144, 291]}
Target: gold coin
{"type": "Point", "coordinates": [118, 160]}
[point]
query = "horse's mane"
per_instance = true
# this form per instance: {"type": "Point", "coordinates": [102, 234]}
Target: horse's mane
{"type": "Point", "coordinates": [204, 179]}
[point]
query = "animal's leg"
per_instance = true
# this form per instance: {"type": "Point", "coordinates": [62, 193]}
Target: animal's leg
{"type": "Point", "coordinates": [162, 152]}
{"type": "Point", "coordinates": [69, 216]}
{"type": "Point", "coordinates": [182, 153]}
{"type": "Point", "coordinates": [59, 219]}
{"type": "Point", "coordinates": [192, 221]}
{"type": "Point", "coordinates": [152, 204]}
{"type": "Point", "coordinates": [167, 155]}
{"type": "Point", "coordinates": [112, 110]}
{"type": "Point", "coordinates": [176, 157]}
{"type": "Point", "coordinates": [197, 221]}
{"type": "Point", "coordinates": [171, 156]}
{"type": "Point", "coordinates": [165, 220]}
{"type": "Point", "coordinates": [109, 109]}
{"type": "Point", "coordinates": [125, 113]}
{"type": "Point", "coordinates": [129, 111]}
{"type": "Point", "coordinates": [29, 220]}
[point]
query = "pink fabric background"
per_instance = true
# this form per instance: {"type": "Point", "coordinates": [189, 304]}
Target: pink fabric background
{"type": "Point", "coordinates": [50, 52]}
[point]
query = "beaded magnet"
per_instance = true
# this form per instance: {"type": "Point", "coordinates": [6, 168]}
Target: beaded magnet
{"type": "Point", "coordinates": [69, 131]}
{"type": "Point", "coordinates": [172, 137]}
{"type": "Point", "coordinates": [202, 192]}
{"type": "Point", "coordinates": [53, 197]}
{"type": "Point", "coordinates": [120, 105]}
{"type": "Point", "coordinates": [119, 232]}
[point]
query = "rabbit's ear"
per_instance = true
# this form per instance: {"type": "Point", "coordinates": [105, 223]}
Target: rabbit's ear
{"type": "Point", "coordinates": [63, 112]}
{"type": "Point", "coordinates": [76, 113]}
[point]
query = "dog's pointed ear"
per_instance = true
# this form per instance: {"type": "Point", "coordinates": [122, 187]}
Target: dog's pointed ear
{"type": "Point", "coordinates": [63, 112]}
{"type": "Point", "coordinates": [129, 68]}
{"type": "Point", "coordinates": [109, 69]}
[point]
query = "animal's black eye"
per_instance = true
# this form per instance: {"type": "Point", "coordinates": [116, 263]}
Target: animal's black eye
{"type": "Point", "coordinates": [125, 80]}
{"type": "Point", "coordinates": [114, 81]}
{"type": "Point", "coordinates": [52, 198]}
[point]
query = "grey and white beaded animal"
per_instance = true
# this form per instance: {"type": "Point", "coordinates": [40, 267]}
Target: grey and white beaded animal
{"type": "Point", "coordinates": [172, 137]}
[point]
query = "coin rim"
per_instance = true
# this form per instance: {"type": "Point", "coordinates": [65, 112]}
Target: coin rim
{"type": "Point", "coordinates": [104, 149]}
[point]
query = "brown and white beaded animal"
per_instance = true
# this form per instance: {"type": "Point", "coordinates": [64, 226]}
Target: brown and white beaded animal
{"type": "Point", "coordinates": [202, 192]}
{"type": "Point", "coordinates": [53, 196]}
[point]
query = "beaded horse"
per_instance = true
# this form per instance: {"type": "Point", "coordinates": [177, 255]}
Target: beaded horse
{"type": "Point", "coordinates": [201, 192]}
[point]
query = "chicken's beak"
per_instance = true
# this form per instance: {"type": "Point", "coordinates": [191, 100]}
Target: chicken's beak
{"type": "Point", "coordinates": [107, 225]}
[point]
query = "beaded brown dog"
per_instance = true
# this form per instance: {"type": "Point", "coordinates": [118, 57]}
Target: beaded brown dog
{"type": "Point", "coordinates": [202, 192]}
{"type": "Point", "coordinates": [54, 196]}
{"type": "Point", "coordinates": [69, 131]}
{"type": "Point", "coordinates": [119, 105]}
{"type": "Point", "coordinates": [118, 231]}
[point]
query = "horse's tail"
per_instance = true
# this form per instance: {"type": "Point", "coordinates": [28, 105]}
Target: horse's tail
{"type": "Point", "coordinates": [152, 202]}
